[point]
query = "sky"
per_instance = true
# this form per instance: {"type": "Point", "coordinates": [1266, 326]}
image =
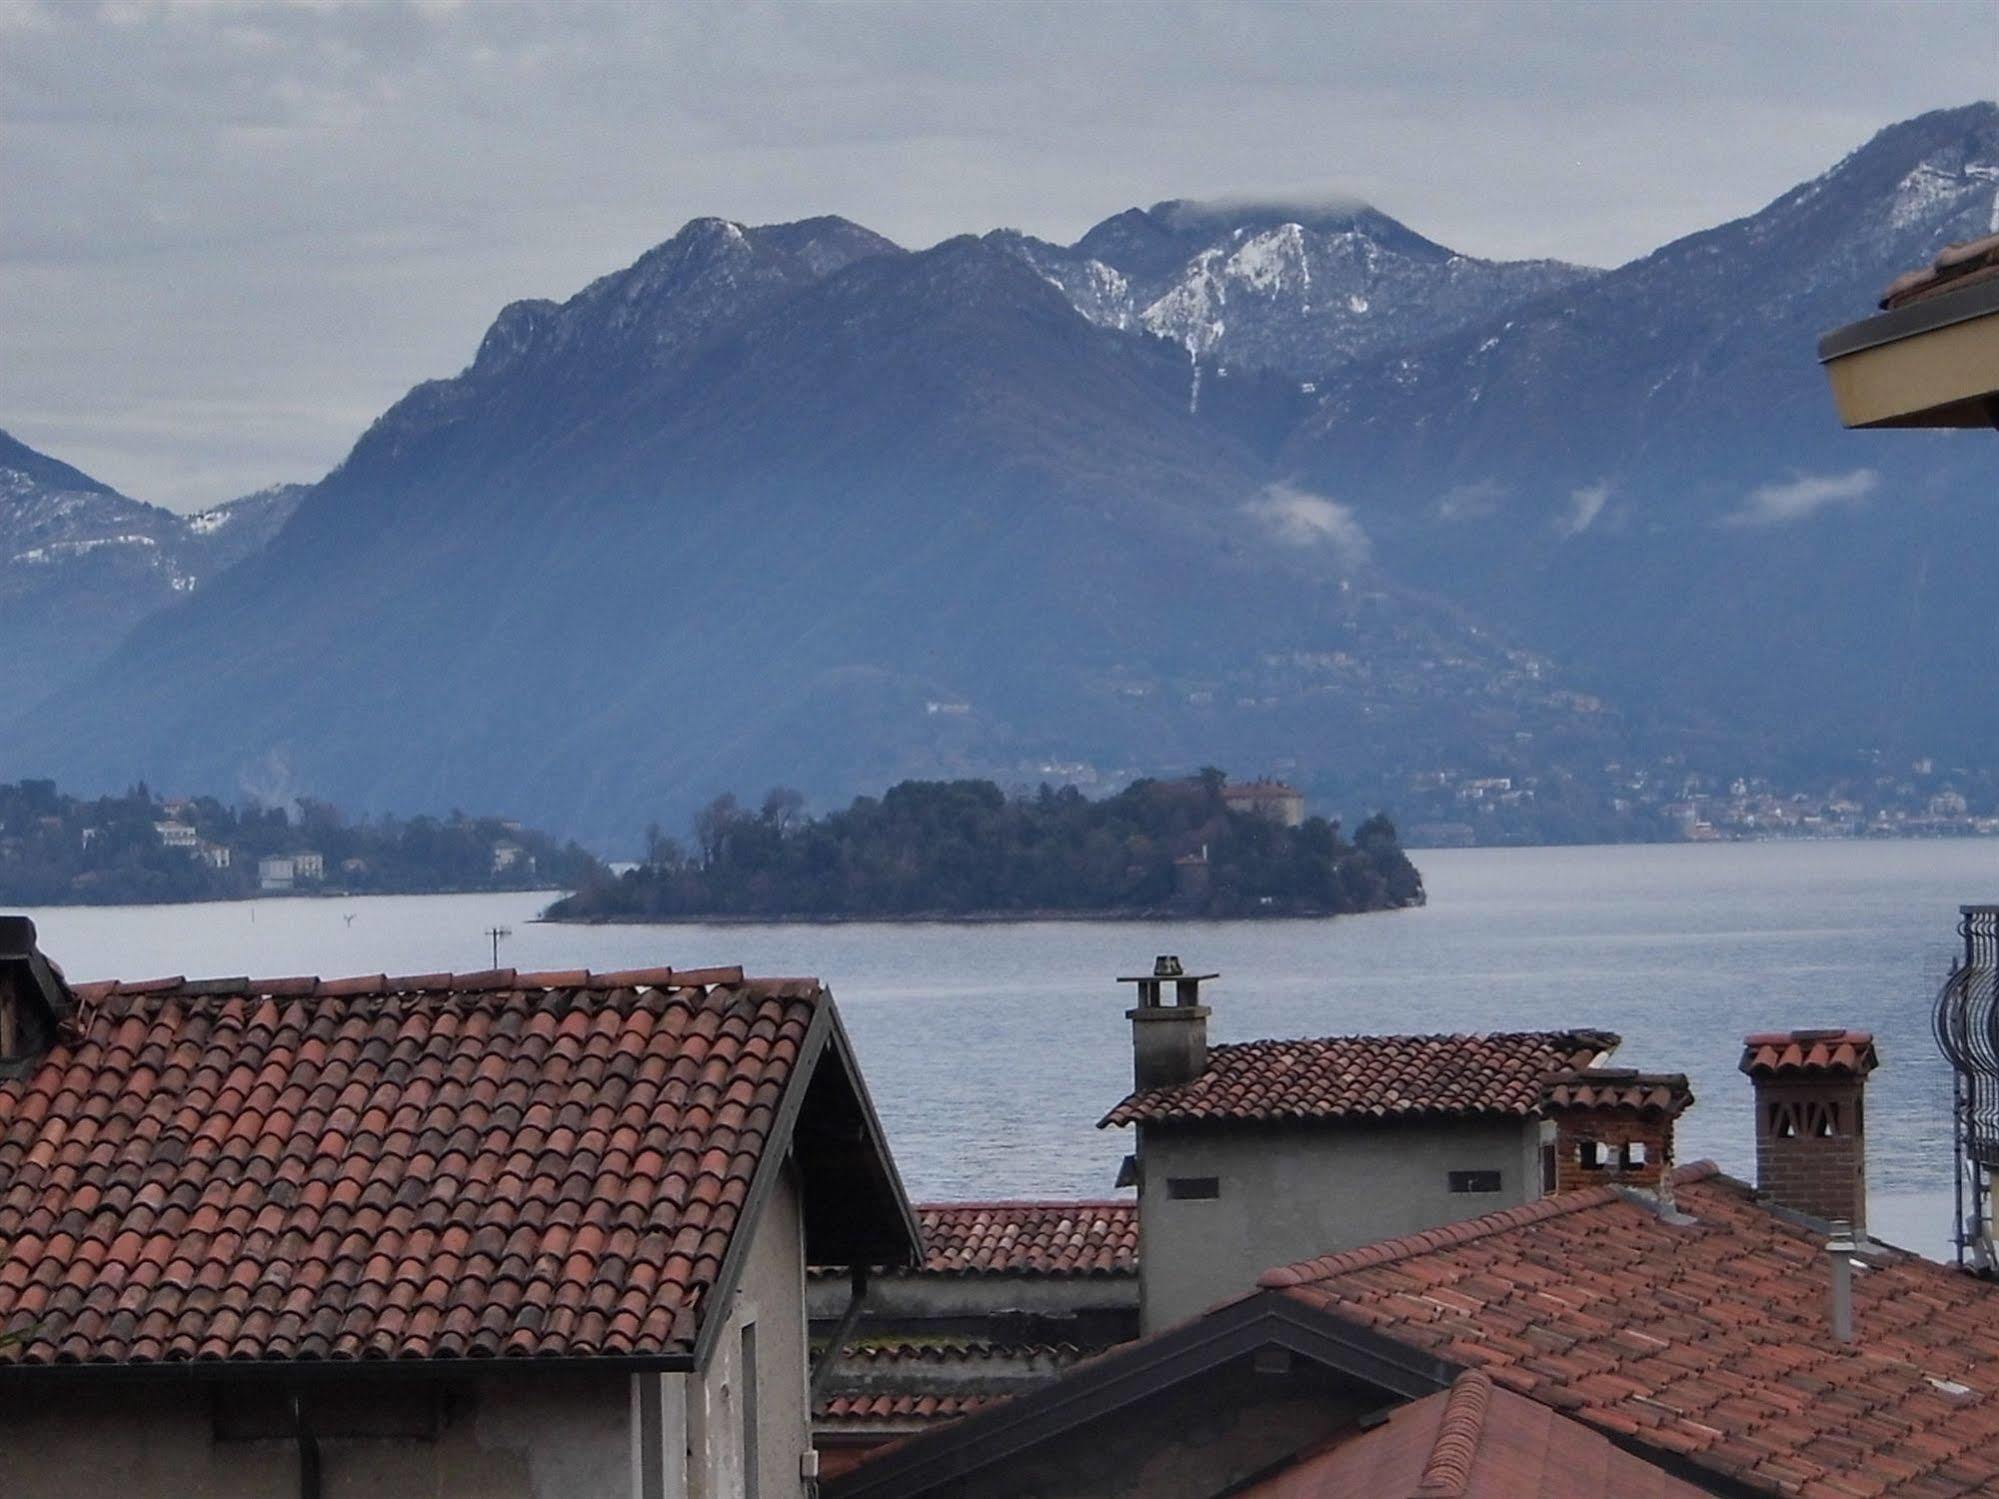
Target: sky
{"type": "Point", "coordinates": [232, 233]}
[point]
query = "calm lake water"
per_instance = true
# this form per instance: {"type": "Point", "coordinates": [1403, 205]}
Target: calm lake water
{"type": "Point", "coordinates": [992, 1050]}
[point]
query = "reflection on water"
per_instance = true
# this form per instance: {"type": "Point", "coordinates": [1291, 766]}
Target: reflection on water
{"type": "Point", "coordinates": [992, 1050]}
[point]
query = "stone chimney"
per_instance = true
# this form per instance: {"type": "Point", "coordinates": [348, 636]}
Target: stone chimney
{"type": "Point", "coordinates": [1169, 1043]}
{"type": "Point", "coordinates": [1614, 1127]}
{"type": "Point", "coordinates": [33, 998]}
{"type": "Point", "coordinates": [1811, 1121]}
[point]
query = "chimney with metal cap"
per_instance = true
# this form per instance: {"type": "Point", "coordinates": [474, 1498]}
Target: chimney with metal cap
{"type": "Point", "coordinates": [1811, 1120]}
{"type": "Point", "coordinates": [1169, 1043]}
{"type": "Point", "coordinates": [33, 998]}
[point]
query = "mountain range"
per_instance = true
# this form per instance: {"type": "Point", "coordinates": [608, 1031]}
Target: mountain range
{"type": "Point", "coordinates": [1266, 486]}
{"type": "Point", "coordinates": [81, 564]}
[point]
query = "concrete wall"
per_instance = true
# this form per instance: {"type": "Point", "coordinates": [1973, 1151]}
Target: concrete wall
{"type": "Point", "coordinates": [1289, 1192]}
{"type": "Point", "coordinates": [523, 1435]}
{"type": "Point", "coordinates": [770, 1297]}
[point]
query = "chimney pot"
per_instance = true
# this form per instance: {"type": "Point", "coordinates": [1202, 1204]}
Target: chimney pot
{"type": "Point", "coordinates": [1840, 1249]}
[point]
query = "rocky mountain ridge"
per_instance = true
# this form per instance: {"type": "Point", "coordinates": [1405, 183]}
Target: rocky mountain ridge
{"type": "Point", "coordinates": [80, 563]}
{"type": "Point", "coordinates": [1293, 288]}
{"type": "Point", "coordinates": [790, 503]}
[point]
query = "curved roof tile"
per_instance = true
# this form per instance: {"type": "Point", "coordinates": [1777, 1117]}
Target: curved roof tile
{"type": "Point", "coordinates": [1370, 1077]}
{"type": "Point", "coordinates": [438, 1167]}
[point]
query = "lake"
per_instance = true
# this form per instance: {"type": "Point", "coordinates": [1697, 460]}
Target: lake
{"type": "Point", "coordinates": [992, 1050]}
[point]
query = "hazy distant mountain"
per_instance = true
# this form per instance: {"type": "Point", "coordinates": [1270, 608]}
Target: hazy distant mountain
{"type": "Point", "coordinates": [785, 504]}
{"type": "Point", "coordinates": [790, 504]}
{"type": "Point", "coordinates": [1644, 470]}
{"type": "Point", "coordinates": [1287, 287]}
{"type": "Point", "coordinates": [81, 563]}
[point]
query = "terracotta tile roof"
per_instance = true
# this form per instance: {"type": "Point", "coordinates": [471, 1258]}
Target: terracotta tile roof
{"type": "Point", "coordinates": [1707, 1339]}
{"type": "Point", "coordinates": [939, 1379]}
{"type": "Point", "coordinates": [493, 1165]}
{"type": "Point", "coordinates": [1809, 1053]}
{"type": "Point", "coordinates": [902, 1408]}
{"type": "Point", "coordinates": [1956, 265]}
{"type": "Point", "coordinates": [1256, 791]}
{"type": "Point", "coordinates": [891, 1352]}
{"type": "Point", "coordinates": [1620, 1088]}
{"type": "Point", "coordinates": [1472, 1441]}
{"type": "Point", "coordinates": [1367, 1077]}
{"type": "Point", "coordinates": [1037, 1238]}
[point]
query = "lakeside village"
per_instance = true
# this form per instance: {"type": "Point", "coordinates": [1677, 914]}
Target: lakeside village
{"type": "Point", "coordinates": [138, 847]}
{"type": "Point", "coordinates": [641, 1234]}
{"type": "Point", "coordinates": [1665, 801]}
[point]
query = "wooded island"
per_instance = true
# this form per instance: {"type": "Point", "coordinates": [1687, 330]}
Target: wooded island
{"type": "Point", "coordinates": [967, 849]}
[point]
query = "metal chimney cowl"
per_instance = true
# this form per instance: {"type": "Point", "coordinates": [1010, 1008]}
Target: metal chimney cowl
{"type": "Point", "coordinates": [1169, 1043]}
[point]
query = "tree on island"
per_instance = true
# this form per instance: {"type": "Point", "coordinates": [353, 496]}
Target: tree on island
{"type": "Point", "coordinates": [965, 847]}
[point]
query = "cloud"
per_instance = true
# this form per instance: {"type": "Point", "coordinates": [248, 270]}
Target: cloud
{"type": "Point", "coordinates": [1471, 501]}
{"type": "Point", "coordinates": [1585, 505]}
{"type": "Point", "coordinates": [1803, 497]}
{"type": "Point", "coordinates": [1300, 518]}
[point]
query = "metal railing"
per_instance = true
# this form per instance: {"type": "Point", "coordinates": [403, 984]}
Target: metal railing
{"type": "Point", "coordinates": [1966, 1024]}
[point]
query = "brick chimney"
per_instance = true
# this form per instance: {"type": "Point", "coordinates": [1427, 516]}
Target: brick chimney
{"type": "Point", "coordinates": [1614, 1127]}
{"type": "Point", "coordinates": [1811, 1120]}
{"type": "Point", "coordinates": [1169, 1043]}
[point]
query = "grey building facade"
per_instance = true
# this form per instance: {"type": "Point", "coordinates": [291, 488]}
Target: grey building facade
{"type": "Point", "coordinates": [1261, 1153]}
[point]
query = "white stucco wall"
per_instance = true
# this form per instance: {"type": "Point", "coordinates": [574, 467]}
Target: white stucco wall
{"type": "Point", "coordinates": [771, 1295]}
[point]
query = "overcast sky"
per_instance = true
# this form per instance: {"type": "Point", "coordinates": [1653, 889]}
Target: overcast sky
{"type": "Point", "coordinates": [232, 233]}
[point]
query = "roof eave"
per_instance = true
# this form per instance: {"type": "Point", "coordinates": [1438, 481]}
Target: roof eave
{"type": "Point", "coordinates": [1929, 364]}
{"type": "Point", "coordinates": [223, 1371]}
{"type": "Point", "coordinates": [823, 1035]}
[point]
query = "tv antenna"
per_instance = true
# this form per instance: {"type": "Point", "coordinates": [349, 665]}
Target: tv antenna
{"type": "Point", "coordinates": [498, 933]}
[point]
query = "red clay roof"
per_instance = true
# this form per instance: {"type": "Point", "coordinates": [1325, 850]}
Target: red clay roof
{"type": "Point", "coordinates": [492, 1165]}
{"type": "Point", "coordinates": [1036, 1238]}
{"type": "Point", "coordinates": [1253, 791]}
{"type": "Point", "coordinates": [1809, 1053]}
{"type": "Point", "coordinates": [1619, 1088]}
{"type": "Point", "coordinates": [1369, 1077]}
{"type": "Point", "coordinates": [1956, 265]}
{"type": "Point", "coordinates": [902, 1408]}
{"type": "Point", "coordinates": [919, 1383]}
{"type": "Point", "coordinates": [1472, 1441]}
{"type": "Point", "coordinates": [1707, 1339]}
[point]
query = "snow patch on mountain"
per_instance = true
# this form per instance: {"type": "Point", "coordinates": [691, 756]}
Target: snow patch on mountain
{"type": "Point", "coordinates": [1296, 294]}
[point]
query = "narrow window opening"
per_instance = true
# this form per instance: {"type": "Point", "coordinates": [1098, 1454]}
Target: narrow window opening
{"type": "Point", "coordinates": [652, 1438]}
{"type": "Point", "coordinates": [1193, 1188]}
{"type": "Point", "coordinates": [747, 1377]}
{"type": "Point", "coordinates": [1591, 1155]}
{"type": "Point", "coordinates": [1635, 1155]}
{"type": "Point", "coordinates": [1475, 1181]}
